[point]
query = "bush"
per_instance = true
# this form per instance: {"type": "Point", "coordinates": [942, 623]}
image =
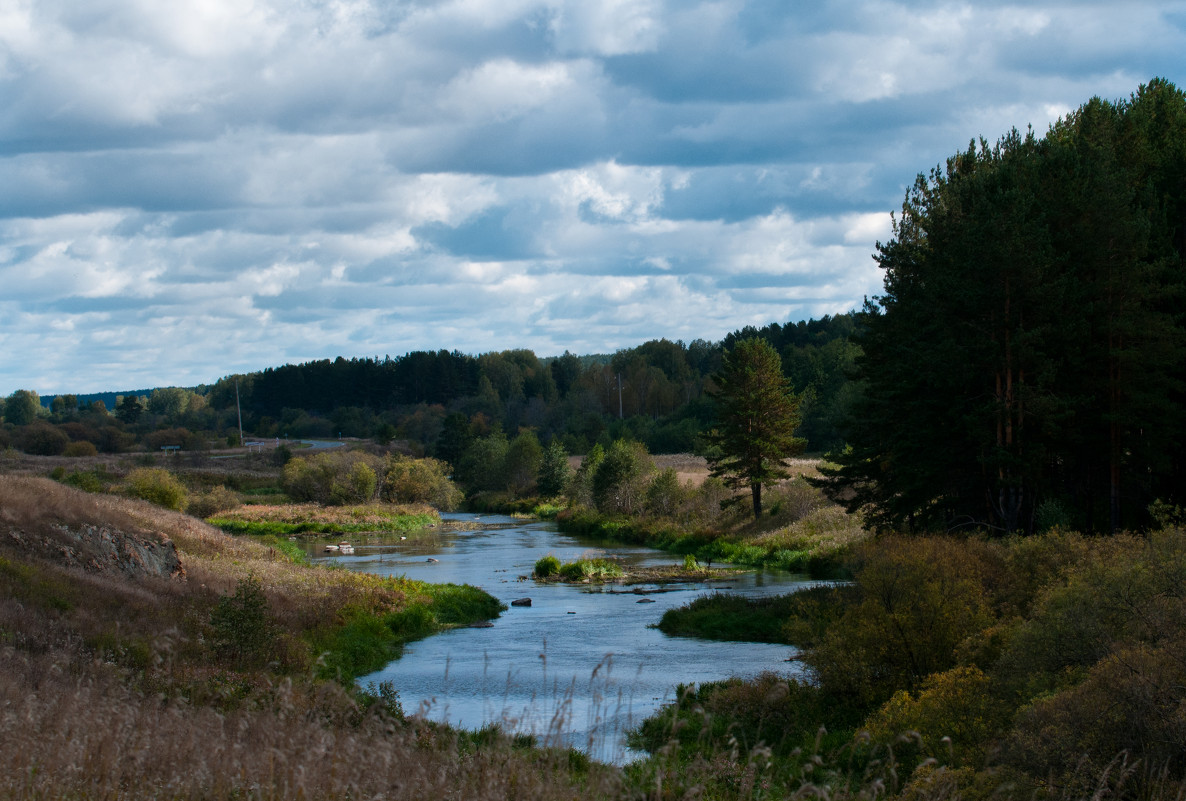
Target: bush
{"type": "Point", "coordinates": [548, 566]}
{"type": "Point", "coordinates": [157, 485]}
{"type": "Point", "coordinates": [920, 598]}
{"type": "Point", "coordinates": [590, 568]}
{"type": "Point", "coordinates": [242, 629]}
{"type": "Point", "coordinates": [958, 704]}
{"type": "Point", "coordinates": [42, 439]}
{"type": "Point", "coordinates": [208, 504]}
{"type": "Point", "coordinates": [336, 478]}
{"type": "Point", "coordinates": [419, 481]}
{"type": "Point", "coordinates": [82, 448]}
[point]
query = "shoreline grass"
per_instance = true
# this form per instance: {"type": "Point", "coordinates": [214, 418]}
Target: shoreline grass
{"type": "Point", "coordinates": [310, 518]}
{"type": "Point", "coordinates": [819, 545]}
{"type": "Point", "coordinates": [798, 618]}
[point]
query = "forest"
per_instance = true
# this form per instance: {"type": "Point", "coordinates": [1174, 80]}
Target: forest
{"type": "Point", "coordinates": [1025, 366]}
{"type": "Point", "coordinates": [991, 521]}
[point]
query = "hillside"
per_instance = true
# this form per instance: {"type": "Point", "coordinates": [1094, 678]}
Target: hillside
{"type": "Point", "coordinates": [121, 677]}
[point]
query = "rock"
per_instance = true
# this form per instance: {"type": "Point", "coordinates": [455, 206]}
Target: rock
{"type": "Point", "coordinates": [521, 602]}
{"type": "Point", "coordinates": [570, 613]}
{"type": "Point", "coordinates": [430, 559]}
{"type": "Point", "coordinates": [645, 601]}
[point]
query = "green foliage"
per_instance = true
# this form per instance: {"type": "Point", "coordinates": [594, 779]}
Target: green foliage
{"type": "Point", "coordinates": [580, 488]}
{"type": "Point", "coordinates": [95, 480]}
{"type": "Point", "coordinates": [554, 473]}
{"type": "Point", "coordinates": [726, 616]}
{"type": "Point", "coordinates": [521, 465]}
{"type": "Point", "coordinates": [546, 566]}
{"type": "Point", "coordinates": [664, 494]}
{"type": "Point", "coordinates": [128, 408]}
{"type": "Point", "coordinates": [42, 439]}
{"type": "Point", "coordinates": [619, 479]}
{"type": "Point", "coordinates": [583, 569]}
{"type": "Point", "coordinates": [919, 600]}
{"type": "Point", "coordinates": [1030, 336]}
{"type": "Point", "coordinates": [21, 407]}
{"type": "Point", "coordinates": [157, 485]}
{"type": "Point", "coordinates": [217, 499]}
{"type": "Point", "coordinates": [243, 634]}
{"type": "Point", "coordinates": [425, 480]}
{"type": "Point", "coordinates": [756, 419]}
{"type": "Point", "coordinates": [335, 478]}
{"type": "Point", "coordinates": [480, 467]}
{"type": "Point", "coordinates": [958, 704]}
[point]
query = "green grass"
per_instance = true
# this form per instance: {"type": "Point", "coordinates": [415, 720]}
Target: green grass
{"type": "Point", "coordinates": [798, 618]}
{"type": "Point", "coordinates": [583, 569]}
{"type": "Point", "coordinates": [707, 547]}
{"type": "Point", "coordinates": [263, 528]}
{"type": "Point", "coordinates": [365, 640]}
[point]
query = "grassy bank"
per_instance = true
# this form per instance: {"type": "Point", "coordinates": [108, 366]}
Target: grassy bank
{"type": "Point", "coordinates": [799, 618]}
{"type": "Point", "coordinates": [311, 518]}
{"type": "Point", "coordinates": [818, 544]}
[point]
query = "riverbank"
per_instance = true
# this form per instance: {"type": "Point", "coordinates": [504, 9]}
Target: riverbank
{"type": "Point", "coordinates": [311, 518]}
{"type": "Point", "coordinates": [818, 544]}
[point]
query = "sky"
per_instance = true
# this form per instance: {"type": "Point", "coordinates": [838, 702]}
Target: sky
{"type": "Point", "coordinates": [196, 188]}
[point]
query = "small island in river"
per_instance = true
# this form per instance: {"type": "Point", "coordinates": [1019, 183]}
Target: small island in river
{"type": "Point", "coordinates": [599, 570]}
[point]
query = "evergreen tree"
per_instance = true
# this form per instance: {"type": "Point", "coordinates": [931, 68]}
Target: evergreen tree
{"type": "Point", "coordinates": [1030, 343]}
{"type": "Point", "coordinates": [756, 419]}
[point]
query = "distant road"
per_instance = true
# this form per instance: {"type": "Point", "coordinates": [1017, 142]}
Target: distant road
{"type": "Point", "coordinates": [322, 443]}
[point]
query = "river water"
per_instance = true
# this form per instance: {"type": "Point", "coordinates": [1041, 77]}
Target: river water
{"type": "Point", "coordinates": [581, 665]}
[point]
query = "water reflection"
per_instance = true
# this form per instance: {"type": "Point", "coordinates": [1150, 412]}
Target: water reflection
{"type": "Point", "coordinates": [581, 665]}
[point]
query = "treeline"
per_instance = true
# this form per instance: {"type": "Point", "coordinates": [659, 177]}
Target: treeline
{"type": "Point", "coordinates": [653, 393]}
{"type": "Point", "coordinates": [436, 402]}
{"type": "Point", "coordinates": [1026, 365]}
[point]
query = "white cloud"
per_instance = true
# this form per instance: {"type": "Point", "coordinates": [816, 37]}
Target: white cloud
{"type": "Point", "coordinates": [213, 186]}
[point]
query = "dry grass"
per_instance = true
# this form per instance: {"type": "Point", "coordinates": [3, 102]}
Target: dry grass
{"type": "Point", "coordinates": [71, 730]}
{"type": "Point", "coordinates": [108, 690]}
{"type": "Point", "coordinates": [374, 514]}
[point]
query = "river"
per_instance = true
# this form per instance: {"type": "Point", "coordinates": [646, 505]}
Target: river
{"type": "Point", "coordinates": [581, 665]}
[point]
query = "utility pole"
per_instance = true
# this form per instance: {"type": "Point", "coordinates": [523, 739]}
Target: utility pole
{"type": "Point", "coordinates": [239, 409]}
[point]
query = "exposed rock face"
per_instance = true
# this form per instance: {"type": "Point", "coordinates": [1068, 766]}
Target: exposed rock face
{"type": "Point", "coordinates": [102, 550]}
{"type": "Point", "coordinates": [43, 520]}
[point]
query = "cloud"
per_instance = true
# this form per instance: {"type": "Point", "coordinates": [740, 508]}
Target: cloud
{"type": "Point", "coordinates": [221, 186]}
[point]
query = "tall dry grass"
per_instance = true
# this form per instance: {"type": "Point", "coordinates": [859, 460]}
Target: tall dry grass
{"type": "Point", "coordinates": [71, 730]}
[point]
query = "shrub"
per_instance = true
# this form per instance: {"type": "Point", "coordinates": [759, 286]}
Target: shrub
{"type": "Point", "coordinates": [590, 568]}
{"type": "Point", "coordinates": [958, 704]}
{"type": "Point", "coordinates": [180, 437]}
{"type": "Point", "coordinates": [42, 439]}
{"type": "Point", "coordinates": [242, 629]}
{"type": "Point", "coordinates": [664, 494]}
{"type": "Point", "coordinates": [82, 448]}
{"type": "Point", "coordinates": [157, 485]}
{"type": "Point", "coordinates": [547, 566]}
{"type": "Point", "coordinates": [619, 479]}
{"type": "Point", "coordinates": [336, 478]}
{"type": "Point", "coordinates": [419, 481]}
{"type": "Point", "coordinates": [218, 499]}
{"type": "Point", "coordinates": [920, 598]}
